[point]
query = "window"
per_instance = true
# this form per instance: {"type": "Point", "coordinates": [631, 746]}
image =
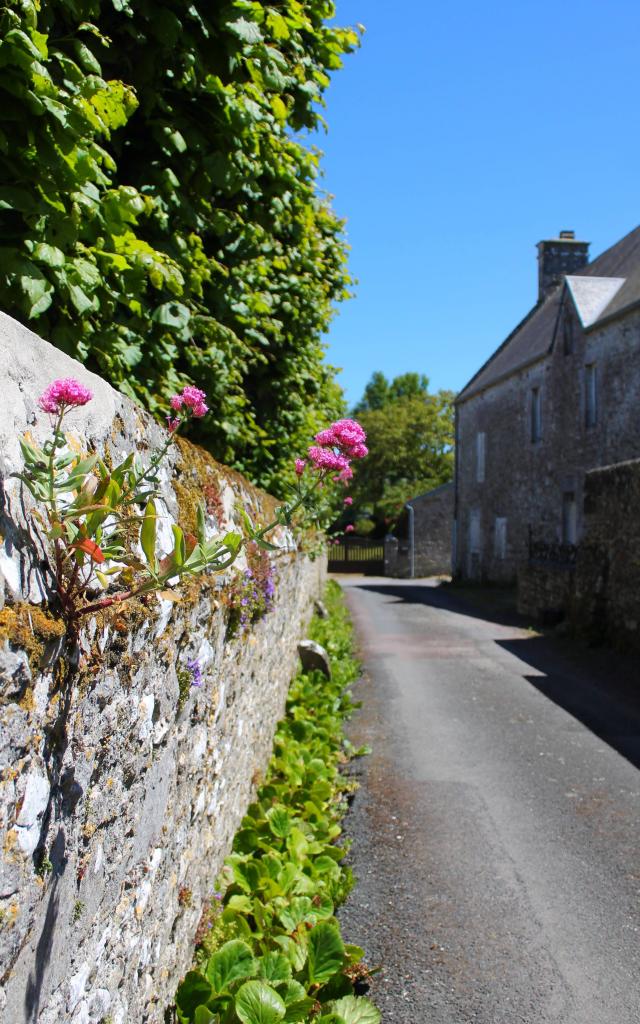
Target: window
{"type": "Point", "coordinates": [569, 518]}
{"type": "Point", "coordinates": [480, 457]}
{"type": "Point", "coordinates": [590, 395]}
{"type": "Point", "coordinates": [500, 538]}
{"type": "Point", "coordinates": [474, 532]}
{"type": "Point", "coordinates": [536, 414]}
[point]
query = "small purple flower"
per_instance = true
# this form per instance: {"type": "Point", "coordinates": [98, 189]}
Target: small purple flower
{"type": "Point", "coordinates": [196, 672]}
{"type": "Point", "coordinates": [217, 895]}
{"type": "Point", "coordinates": [244, 602]}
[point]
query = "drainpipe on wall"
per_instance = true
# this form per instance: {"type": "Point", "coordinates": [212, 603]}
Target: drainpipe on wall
{"type": "Point", "coordinates": [412, 555]}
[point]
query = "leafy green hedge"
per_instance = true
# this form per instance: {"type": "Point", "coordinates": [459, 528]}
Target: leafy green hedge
{"type": "Point", "coordinates": [275, 952]}
{"type": "Point", "coordinates": [160, 219]}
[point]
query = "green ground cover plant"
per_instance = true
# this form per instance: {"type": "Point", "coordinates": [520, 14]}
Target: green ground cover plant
{"type": "Point", "coordinates": [274, 951]}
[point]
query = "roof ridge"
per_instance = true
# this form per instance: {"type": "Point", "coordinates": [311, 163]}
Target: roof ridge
{"type": "Point", "coordinates": [612, 262]}
{"type": "Point", "coordinates": [503, 345]}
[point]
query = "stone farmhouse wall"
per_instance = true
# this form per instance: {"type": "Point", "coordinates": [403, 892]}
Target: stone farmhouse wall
{"type": "Point", "coordinates": [509, 486]}
{"type": "Point", "coordinates": [433, 524]}
{"type": "Point", "coordinates": [119, 797]}
{"type": "Point", "coordinates": [600, 595]}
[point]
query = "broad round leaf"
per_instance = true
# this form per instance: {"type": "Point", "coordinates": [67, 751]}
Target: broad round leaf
{"type": "Point", "coordinates": [326, 952]}
{"type": "Point", "coordinates": [232, 962]}
{"type": "Point", "coordinates": [258, 1003]}
{"type": "Point", "coordinates": [274, 967]}
{"type": "Point", "coordinates": [357, 1010]}
{"type": "Point", "coordinates": [194, 991]}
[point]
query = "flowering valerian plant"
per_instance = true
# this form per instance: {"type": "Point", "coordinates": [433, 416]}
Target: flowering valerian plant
{"type": "Point", "coordinates": [102, 521]}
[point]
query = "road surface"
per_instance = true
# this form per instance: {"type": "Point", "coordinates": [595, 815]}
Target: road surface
{"type": "Point", "coordinates": [496, 834]}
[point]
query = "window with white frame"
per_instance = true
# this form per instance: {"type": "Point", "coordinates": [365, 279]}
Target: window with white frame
{"type": "Point", "coordinates": [590, 395]}
{"type": "Point", "coordinates": [500, 538]}
{"type": "Point", "coordinates": [536, 414]}
{"type": "Point", "coordinates": [480, 457]}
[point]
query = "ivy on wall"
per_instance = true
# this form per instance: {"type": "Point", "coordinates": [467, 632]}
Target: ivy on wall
{"type": "Point", "coordinates": [160, 219]}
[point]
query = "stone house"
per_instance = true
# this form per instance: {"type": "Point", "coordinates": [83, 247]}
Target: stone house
{"type": "Point", "coordinates": [559, 397]}
{"type": "Point", "coordinates": [421, 545]}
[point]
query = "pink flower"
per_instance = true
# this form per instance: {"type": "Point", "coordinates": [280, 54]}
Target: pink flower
{"type": "Point", "coordinates": [192, 399]}
{"type": "Point", "coordinates": [348, 501]}
{"type": "Point", "coordinates": [358, 451]}
{"type": "Point", "coordinates": [324, 458]}
{"type": "Point", "coordinates": [345, 475]}
{"type": "Point", "coordinates": [300, 464]}
{"type": "Point", "coordinates": [173, 424]}
{"type": "Point", "coordinates": [349, 529]}
{"type": "Point", "coordinates": [67, 391]}
{"type": "Point", "coordinates": [347, 435]}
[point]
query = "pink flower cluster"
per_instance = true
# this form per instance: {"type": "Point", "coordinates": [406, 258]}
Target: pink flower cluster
{"type": "Point", "coordinates": [64, 393]}
{"type": "Point", "coordinates": [347, 436]}
{"type": "Point", "coordinates": [336, 447]}
{"type": "Point", "coordinates": [192, 399]}
{"type": "Point", "coordinates": [190, 402]}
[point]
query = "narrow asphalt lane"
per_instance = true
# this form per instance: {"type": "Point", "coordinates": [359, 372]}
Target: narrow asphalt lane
{"type": "Point", "coordinates": [496, 833]}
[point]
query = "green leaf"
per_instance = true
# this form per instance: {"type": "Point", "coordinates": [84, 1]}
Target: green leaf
{"type": "Point", "coordinates": [279, 821]}
{"type": "Point", "coordinates": [300, 909]}
{"type": "Point", "coordinates": [274, 967]}
{"type": "Point", "coordinates": [172, 314]}
{"type": "Point", "coordinates": [233, 542]}
{"type": "Point", "coordinates": [357, 1010]}
{"type": "Point", "coordinates": [179, 547]}
{"type": "Point", "coordinates": [38, 290]}
{"type": "Point", "coordinates": [49, 255]}
{"type": "Point", "coordinates": [200, 523]}
{"type": "Point", "coordinates": [292, 991]}
{"type": "Point", "coordinates": [194, 991]}
{"type": "Point", "coordinates": [326, 952]}
{"type": "Point", "coordinates": [232, 962]}
{"type": "Point", "coordinates": [258, 1003]}
{"type": "Point", "coordinates": [299, 1010]}
{"type": "Point", "coordinates": [203, 1015]}
{"type": "Point", "coordinates": [148, 532]}
{"type": "Point", "coordinates": [245, 30]}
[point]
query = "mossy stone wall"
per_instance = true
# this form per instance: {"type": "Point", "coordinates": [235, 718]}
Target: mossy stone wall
{"type": "Point", "coordinates": [120, 788]}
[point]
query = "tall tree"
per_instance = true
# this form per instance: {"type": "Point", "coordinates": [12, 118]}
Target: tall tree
{"type": "Point", "coordinates": [410, 435]}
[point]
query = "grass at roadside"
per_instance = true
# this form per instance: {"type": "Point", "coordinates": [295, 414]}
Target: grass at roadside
{"type": "Point", "coordinates": [274, 950]}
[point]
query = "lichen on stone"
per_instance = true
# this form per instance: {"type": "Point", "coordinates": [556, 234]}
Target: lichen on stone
{"type": "Point", "coordinates": [28, 628]}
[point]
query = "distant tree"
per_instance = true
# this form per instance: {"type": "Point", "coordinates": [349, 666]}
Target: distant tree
{"type": "Point", "coordinates": [379, 392]}
{"type": "Point", "coordinates": [410, 437]}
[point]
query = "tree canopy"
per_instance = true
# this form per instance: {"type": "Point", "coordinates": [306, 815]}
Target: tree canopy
{"type": "Point", "coordinates": [410, 435]}
{"type": "Point", "coordinates": [161, 220]}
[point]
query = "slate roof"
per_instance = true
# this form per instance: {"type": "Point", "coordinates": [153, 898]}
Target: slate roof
{"type": "Point", "coordinates": [533, 337]}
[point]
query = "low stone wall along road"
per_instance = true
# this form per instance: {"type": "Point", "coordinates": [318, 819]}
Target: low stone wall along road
{"type": "Point", "coordinates": [496, 833]}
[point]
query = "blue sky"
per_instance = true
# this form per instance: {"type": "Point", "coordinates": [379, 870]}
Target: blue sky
{"type": "Point", "coordinates": [459, 136]}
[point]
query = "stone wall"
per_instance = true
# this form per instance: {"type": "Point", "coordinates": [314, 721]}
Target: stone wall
{"type": "Point", "coordinates": [432, 529]}
{"type": "Point", "coordinates": [600, 596]}
{"type": "Point", "coordinates": [605, 602]}
{"type": "Point", "coordinates": [544, 592]}
{"type": "Point", "coordinates": [120, 794]}
{"type": "Point", "coordinates": [509, 485]}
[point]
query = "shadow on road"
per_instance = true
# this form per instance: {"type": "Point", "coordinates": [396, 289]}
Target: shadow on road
{"type": "Point", "coordinates": [490, 604]}
{"type": "Point", "coordinates": [598, 687]}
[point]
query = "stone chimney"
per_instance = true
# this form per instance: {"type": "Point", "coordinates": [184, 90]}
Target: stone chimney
{"type": "Point", "coordinates": [558, 257]}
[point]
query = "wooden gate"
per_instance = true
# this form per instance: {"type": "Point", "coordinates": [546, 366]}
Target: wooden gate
{"type": "Point", "coordinates": [357, 555]}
